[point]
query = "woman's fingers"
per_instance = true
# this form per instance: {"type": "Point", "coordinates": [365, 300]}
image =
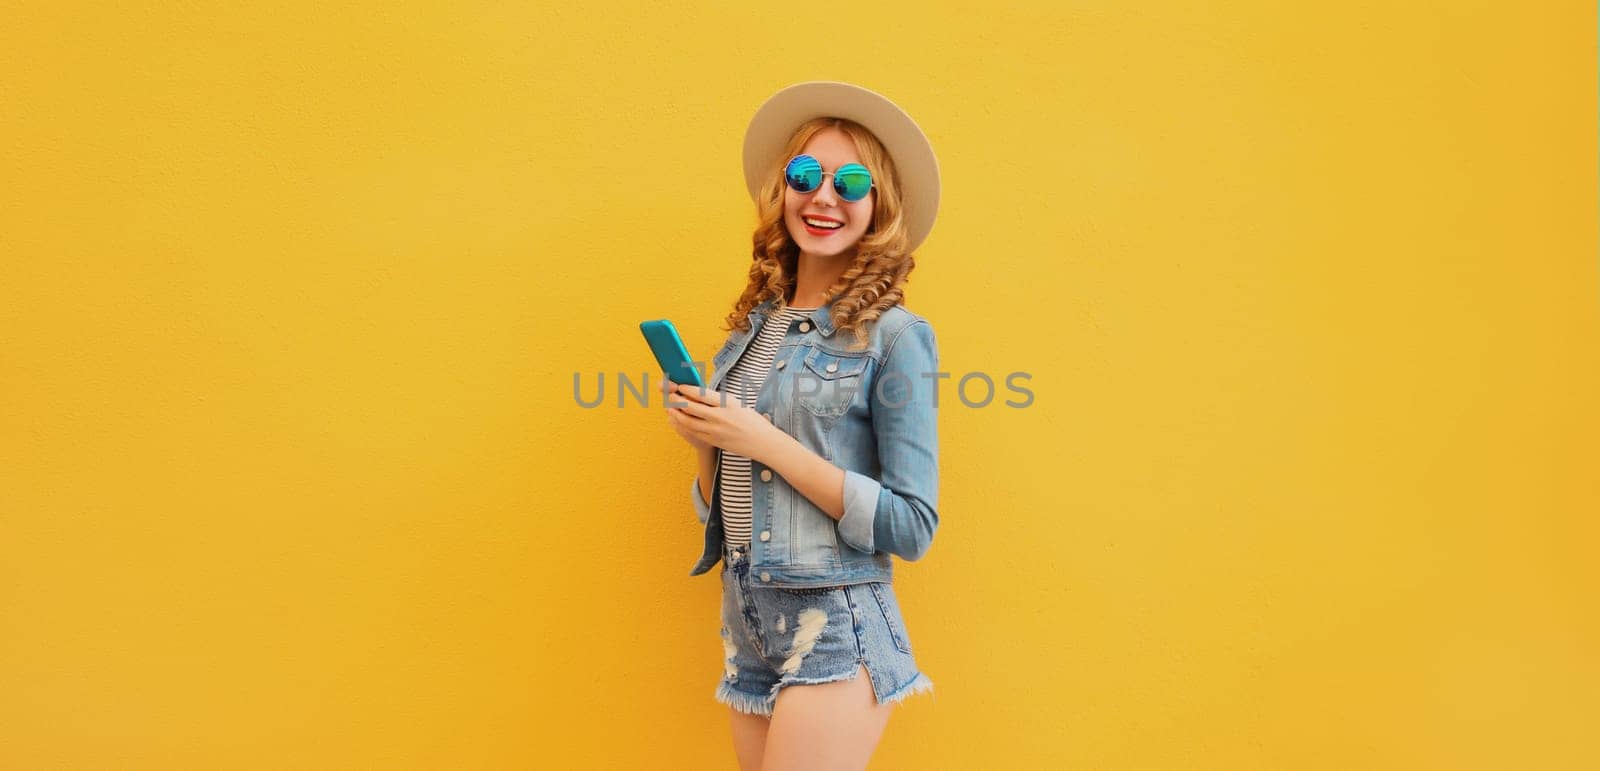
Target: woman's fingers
{"type": "Point", "coordinates": [705, 396]}
{"type": "Point", "coordinates": [682, 411]}
{"type": "Point", "coordinates": [694, 410]}
{"type": "Point", "coordinates": [687, 427]}
{"type": "Point", "coordinates": [683, 419]}
{"type": "Point", "coordinates": [679, 420]}
{"type": "Point", "coordinates": [682, 391]}
{"type": "Point", "coordinates": [670, 398]}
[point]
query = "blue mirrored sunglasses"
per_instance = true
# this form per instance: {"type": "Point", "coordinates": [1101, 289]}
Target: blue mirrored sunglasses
{"type": "Point", "coordinates": [851, 181]}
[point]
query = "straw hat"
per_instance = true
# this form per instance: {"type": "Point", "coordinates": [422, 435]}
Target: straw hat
{"type": "Point", "coordinates": [783, 112]}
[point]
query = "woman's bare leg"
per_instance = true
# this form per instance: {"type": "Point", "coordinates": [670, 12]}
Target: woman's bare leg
{"type": "Point", "coordinates": [749, 738]}
{"type": "Point", "coordinates": [830, 725]}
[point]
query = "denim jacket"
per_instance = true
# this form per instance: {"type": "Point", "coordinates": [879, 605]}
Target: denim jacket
{"type": "Point", "coordinates": [871, 412]}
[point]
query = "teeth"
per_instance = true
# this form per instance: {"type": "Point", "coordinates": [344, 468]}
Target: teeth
{"type": "Point", "coordinates": [822, 224]}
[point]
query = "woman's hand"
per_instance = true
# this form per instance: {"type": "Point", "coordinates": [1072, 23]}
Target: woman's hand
{"type": "Point", "coordinates": [717, 419]}
{"type": "Point", "coordinates": [680, 421]}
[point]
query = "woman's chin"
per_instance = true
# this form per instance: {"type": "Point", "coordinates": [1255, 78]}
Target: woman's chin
{"type": "Point", "coordinates": [822, 246]}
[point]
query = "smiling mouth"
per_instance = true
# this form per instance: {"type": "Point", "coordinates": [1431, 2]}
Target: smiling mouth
{"type": "Point", "coordinates": [819, 230]}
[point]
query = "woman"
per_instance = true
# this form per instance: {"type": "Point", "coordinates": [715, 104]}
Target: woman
{"type": "Point", "coordinates": [818, 432]}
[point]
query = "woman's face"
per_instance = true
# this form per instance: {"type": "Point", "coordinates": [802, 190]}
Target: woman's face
{"type": "Point", "coordinates": [833, 149]}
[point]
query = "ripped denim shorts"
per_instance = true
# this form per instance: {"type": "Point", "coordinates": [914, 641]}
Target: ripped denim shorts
{"type": "Point", "coordinates": [773, 637]}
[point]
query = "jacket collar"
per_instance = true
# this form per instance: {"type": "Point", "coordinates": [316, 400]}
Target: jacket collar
{"type": "Point", "coordinates": [822, 317]}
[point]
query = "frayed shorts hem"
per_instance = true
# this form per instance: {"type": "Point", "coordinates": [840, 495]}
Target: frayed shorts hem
{"type": "Point", "coordinates": [746, 702]}
{"type": "Point", "coordinates": [918, 684]}
{"type": "Point", "coordinates": [762, 704]}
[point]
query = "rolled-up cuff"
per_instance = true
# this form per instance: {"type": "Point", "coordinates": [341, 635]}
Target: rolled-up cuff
{"type": "Point", "coordinates": [860, 510]}
{"type": "Point", "coordinates": [702, 509]}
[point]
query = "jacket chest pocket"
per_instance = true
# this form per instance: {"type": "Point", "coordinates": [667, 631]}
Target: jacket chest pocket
{"type": "Point", "coordinates": [828, 382]}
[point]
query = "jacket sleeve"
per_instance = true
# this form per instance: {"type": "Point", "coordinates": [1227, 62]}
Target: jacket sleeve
{"type": "Point", "coordinates": [899, 513]}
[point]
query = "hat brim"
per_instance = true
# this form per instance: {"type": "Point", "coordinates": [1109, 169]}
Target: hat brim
{"type": "Point", "coordinates": [784, 111]}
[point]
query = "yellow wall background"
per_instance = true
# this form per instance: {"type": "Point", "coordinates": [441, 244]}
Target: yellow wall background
{"type": "Point", "coordinates": [291, 299]}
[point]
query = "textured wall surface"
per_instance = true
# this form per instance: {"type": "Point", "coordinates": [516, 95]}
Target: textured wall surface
{"type": "Point", "coordinates": [291, 300]}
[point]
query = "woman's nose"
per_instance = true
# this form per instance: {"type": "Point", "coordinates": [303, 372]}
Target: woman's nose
{"type": "Point", "coordinates": [824, 193]}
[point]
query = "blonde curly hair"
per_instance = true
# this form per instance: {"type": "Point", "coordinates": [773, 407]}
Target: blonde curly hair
{"type": "Point", "coordinates": [874, 281]}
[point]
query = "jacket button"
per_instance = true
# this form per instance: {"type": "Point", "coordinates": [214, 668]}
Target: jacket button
{"type": "Point", "coordinates": [833, 366]}
{"type": "Point", "coordinates": [766, 535]}
{"type": "Point", "coordinates": [765, 576]}
{"type": "Point", "coordinates": [779, 365]}
{"type": "Point", "coordinates": [805, 326]}
{"type": "Point", "coordinates": [766, 475]}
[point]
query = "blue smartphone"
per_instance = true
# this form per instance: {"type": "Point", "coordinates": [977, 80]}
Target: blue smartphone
{"type": "Point", "coordinates": [670, 352]}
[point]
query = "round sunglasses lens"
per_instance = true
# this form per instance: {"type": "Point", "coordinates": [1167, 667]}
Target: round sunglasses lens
{"type": "Point", "coordinates": [852, 182]}
{"type": "Point", "coordinates": [804, 173]}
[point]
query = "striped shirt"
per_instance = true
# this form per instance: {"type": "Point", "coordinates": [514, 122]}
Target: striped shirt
{"type": "Point", "coordinates": [744, 383]}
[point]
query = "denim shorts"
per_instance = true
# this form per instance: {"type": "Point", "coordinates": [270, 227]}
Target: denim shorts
{"type": "Point", "coordinates": [772, 637]}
